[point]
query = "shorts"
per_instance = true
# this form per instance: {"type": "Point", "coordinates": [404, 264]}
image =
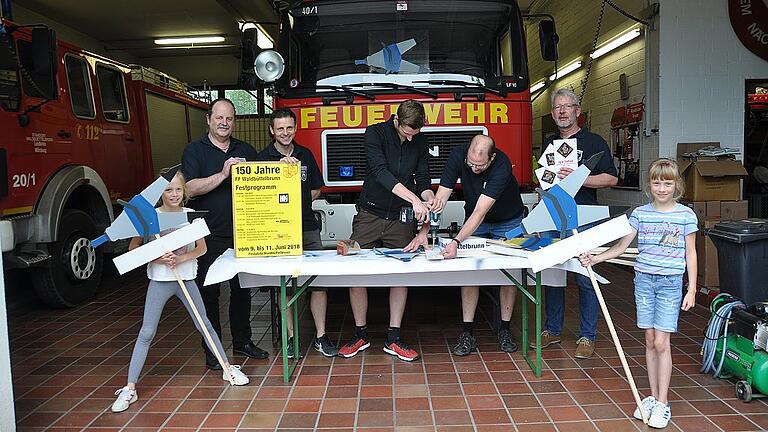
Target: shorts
{"type": "Point", "coordinates": [497, 230]}
{"type": "Point", "coordinates": [658, 299]}
{"type": "Point", "coordinates": [371, 231]}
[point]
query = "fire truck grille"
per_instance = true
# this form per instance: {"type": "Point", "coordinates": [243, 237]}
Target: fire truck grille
{"type": "Point", "coordinates": [347, 150]}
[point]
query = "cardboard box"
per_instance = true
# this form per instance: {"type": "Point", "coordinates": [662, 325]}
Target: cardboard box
{"type": "Point", "coordinates": [708, 274]}
{"type": "Point", "coordinates": [713, 209]}
{"type": "Point", "coordinates": [706, 209]}
{"type": "Point", "coordinates": [734, 210]}
{"type": "Point", "coordinates": [709, 179]}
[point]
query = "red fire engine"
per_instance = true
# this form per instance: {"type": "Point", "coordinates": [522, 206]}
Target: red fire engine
{"type": "Point", "coordinates": [77, 130]}
{"type": "Point", "coordinates": [348, 64]}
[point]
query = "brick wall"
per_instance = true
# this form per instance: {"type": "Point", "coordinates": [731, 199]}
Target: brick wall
{"type": "Point", "coordinates": [576, 22]}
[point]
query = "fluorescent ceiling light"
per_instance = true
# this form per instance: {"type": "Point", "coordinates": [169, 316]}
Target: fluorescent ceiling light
{"type": "Point", "coordinates": [616, 42]}
{"type": "Point", "coordinates": [565, 70]}
{"type": "Point", "coordinates": [262, 38]}
{"type": "Point", "coordinates": [537, 86]}
{"type": "Point", "coordinates": [189, 40]}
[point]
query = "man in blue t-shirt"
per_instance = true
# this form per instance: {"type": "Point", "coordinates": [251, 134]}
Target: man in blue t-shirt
{"type": "Point", "coordinates": [565, 112]}
{"type": "Point", "coordinates": [492, 206]}
{"type": "Point", "coordinates": [282, 127]}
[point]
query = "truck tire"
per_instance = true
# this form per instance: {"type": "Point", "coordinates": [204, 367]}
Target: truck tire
{"type": "Point", "coordinates": [74, 273]}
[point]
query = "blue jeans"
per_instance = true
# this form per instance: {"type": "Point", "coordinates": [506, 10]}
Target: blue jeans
{"type": "Point", "coordinates": [658, 299]}
{"type": "Point", "coordinates": [496, 230]}
{"type": "Point", "coordinates": [589, 308]}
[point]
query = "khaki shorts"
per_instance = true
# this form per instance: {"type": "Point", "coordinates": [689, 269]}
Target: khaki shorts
{"type": "Point", "coordinates": [371, 231]}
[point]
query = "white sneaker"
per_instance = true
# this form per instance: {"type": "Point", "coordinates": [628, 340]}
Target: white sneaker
{"type": "Point", "coordinates": [125, 397]}
{"type": "Point", "coordinates": [647, 404]}
{"type": "Point", "coordinates": [660, 416]}
{"type": "Point", "coordinates": [238, 377]}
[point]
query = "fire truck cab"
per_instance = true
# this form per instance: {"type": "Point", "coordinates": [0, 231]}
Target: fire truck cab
{"type": "Point", "coordinates": [348, 65]}
{"type": "Point", "coordinates": [75, 138]}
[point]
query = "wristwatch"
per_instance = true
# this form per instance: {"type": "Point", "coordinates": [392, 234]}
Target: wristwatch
{"type": "Point", "coordinates": [458, 242]}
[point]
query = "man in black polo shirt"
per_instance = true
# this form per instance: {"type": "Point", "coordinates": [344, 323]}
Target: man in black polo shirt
{"type": "Point", "coordinates": [206, 164]}
{"type": "Point", "coordinates": [565, 112]}
{"type": "Point", "coordinates": [282, 126]}
{"type": "Point", "coordinates": [397, 178]}
{"type": "Point", "coordinates": [492, 206]}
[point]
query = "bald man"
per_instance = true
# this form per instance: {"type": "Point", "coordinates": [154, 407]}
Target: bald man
{"type": "Point", "coordinates": [492, 206]}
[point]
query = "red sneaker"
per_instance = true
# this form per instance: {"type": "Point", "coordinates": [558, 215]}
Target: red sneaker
{"type": "Point", "coordinates": [354, 346]}
{"type": "Point", "coordinates": [401, 350]}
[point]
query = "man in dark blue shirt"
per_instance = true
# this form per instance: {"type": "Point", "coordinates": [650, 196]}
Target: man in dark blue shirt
{"type": "Point", "coordinates": [282, 126]}
{"type": "Point", "coordinates": [206, 164]}
{"type": "Point", "coordinates": [565, 112]}
{"type": "Point", "coordinates": [492, 206]}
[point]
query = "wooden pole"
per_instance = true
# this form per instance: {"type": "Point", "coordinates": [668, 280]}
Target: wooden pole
{"type": "Point", "coordinates": [616, 341]}
{"type": "Point", "coordinates": [203, 328]}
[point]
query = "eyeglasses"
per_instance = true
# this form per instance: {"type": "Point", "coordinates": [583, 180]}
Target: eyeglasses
{"type": "Point", "coordinates": [477, 166]}
{"type": "Point", "coordinates": [564, 106]}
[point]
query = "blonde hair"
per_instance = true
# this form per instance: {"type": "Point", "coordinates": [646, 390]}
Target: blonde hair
{"type": "Point", "coordinates": [665, 169]}
{"type": "Point", "coordinates": [184, 192]}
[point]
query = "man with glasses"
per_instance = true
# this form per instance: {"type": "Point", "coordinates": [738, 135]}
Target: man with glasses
{"type": "Point", "coordinates": [396, 182]}
{"type": "Point", "coordinates": [492, 206]}
{"type": "Point", "coordinates": [565, 112]}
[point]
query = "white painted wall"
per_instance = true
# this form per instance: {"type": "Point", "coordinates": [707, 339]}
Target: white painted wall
{"type": "Point", "coordinates": [703, 67]}
{"type": "Point", "coordinates": [7, 416]}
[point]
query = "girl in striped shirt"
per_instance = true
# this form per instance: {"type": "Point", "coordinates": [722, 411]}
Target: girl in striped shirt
{"type": "Point", "coordinates": [666, 243]}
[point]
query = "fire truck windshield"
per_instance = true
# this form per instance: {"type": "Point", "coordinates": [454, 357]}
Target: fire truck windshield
{"type": "Point", "coordinates": [416, 43]}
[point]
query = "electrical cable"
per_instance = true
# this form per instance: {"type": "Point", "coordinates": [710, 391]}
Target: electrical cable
{"type": "Point", "coordinates": [627, 14]}
{"type": "Point", "coordinates": [588, 68]}
{"type": "Point", "coordinates": [717, 328]}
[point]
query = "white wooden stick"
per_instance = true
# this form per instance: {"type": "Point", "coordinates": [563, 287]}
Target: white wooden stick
{"type": "Point", "coordinates": [200, 321]}
{"type": "Point", "coordinates": [621, 262]}
{"type": "Point", "coordinates": [616, 341]}
{"type": "Point", "coordinates": [203, 328]}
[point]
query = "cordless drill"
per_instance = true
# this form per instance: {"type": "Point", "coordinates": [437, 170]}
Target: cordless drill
{"type": "Point", "coordinates": [434, 226]}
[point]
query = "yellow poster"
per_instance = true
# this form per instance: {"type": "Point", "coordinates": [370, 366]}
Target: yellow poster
{"type": "Point", "coordinates": [266, 207]}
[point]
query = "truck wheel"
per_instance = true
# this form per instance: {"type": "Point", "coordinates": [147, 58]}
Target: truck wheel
{"type": "Point", "coordinates": [743, 391]}
{"type": "Point", "coordinates": [74, 273]}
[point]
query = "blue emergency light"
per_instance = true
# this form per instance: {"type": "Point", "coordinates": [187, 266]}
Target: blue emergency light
{"type": "Point", "coordinates": [347, 171]}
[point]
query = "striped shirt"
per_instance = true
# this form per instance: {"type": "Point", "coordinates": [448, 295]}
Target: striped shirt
{"type": "Point", "coordinates": [661, 238]}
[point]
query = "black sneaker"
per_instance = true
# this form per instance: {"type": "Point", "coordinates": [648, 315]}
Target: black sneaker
{"type": "Point", "coordinates": [290, 349]}
{"type": "Point", "coordinates": [327, 348]}
{"type": "Point", "coordinates": [211, 362]}
{"type": "Point", "coordinates": [506, 341]}
{"type": "Point", "coordinates": [465, 345]}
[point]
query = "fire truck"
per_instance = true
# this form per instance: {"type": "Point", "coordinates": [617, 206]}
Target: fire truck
{"type": "Point", "coordinates": [77, 135]}
{"type": "Point", "coordinates": [343, 65]}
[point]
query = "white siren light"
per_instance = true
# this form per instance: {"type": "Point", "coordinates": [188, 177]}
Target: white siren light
{"type": "Point", "coordinates": [269, 66]}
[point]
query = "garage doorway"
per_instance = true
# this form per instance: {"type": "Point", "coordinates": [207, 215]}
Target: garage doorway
{"type": "Point", "coordinates": [756, 147]}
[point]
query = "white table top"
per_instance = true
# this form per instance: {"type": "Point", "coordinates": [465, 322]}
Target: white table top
{"type": "Point", "coordinates": [373, 270]}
